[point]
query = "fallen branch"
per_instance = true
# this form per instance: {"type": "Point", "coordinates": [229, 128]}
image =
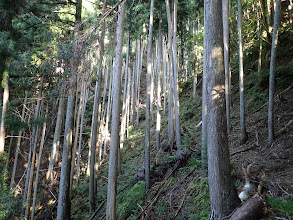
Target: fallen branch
{"type": "Point", "coordinates": [243, 150]}
{"type": "Point", "coordinates": [252, 209]}
{"type": "Point", "coordinates": [284, 128]}
{"type": "Point", "coordinates": [183, 180]}
{"type": "Point", "coordinates": [98, 209]}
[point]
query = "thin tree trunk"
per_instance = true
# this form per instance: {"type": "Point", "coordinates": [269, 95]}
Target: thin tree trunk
{"type": "Point", "coordinates": [26, 193]}
{"type": "Point", "coordinates": [148, 94]}
{"type": "Point", "coordinates": [259, 35]}
{"type": "Point", "coordinates": [56, 140]}
{"type": "Point", "coordinates": [243, 133]}
{"type": "Point", "coordinates": [84, 101]}
{"type": "Point", "coordinates": [272, 74]}
{"type": "Point", "coordinates": [94, 129]}
{"type": "Point", "coordinates": [4, 109]}
{"type": "Point", "coordinates": [176, 101]}
{"type": "Point", "coordinates": [115, 140]}
{"type": "Point", "coordinates": [123, 120]}
{"type": "Point", "coordinates": [158, 129]}
{"type": "Point", "coordinates": [222, 194]}
{"type": "Point", "coordinates": [38, 165]}
{"type": "Point", "coordinates": [17, 146]}
{"type": "Point", "coordinates": [82, 94]}
{"type": "Point", "coordinates": [138, 82]}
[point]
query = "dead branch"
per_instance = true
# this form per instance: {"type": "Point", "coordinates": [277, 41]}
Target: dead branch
{"type": "Point", "coordinates": [284, 128]}
{"type": "Point", "coordinates": [252, 209]}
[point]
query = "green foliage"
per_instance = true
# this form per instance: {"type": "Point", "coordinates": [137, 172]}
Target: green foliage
{"type": "Point", "coordinates": [8, 204]}
{"type": "Point", "coordinates": [129, 199]}
{"type": "Point", "coordinates": [200, 207]}
{"type": "Point", "coordinates": [284, 205]}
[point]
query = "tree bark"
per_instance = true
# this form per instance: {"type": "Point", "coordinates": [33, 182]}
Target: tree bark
{"type": "Point", "coordinates": [158, 127]}
{"type": "Point", "coordinates": [148, 89]}
{"type": "Point", "coordinates": [222, 194]}
{"type": "Point", "coordinates": [225, 12]}
{"type": "Point", "coordinates": [175, 75]}
{"type": "Point", "coordinates": [252, 210]}
{"type": "Point", "coordinates": [5, 85]}
{"type": "Point", "coordinates": [56, 140]}
{"type": "Point", "coordinates": [272, 74]}
{"type": "Point", "coordinates": [243, 133]}
{"type": "Point", "coordinates": [115, 140]}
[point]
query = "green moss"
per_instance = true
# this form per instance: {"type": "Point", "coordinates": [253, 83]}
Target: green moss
{"type": "Point", "coordinates": [284, 206]}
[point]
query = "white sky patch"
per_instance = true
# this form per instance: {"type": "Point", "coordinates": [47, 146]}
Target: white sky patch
{"type": "Point", "coordinates": [88, 5]}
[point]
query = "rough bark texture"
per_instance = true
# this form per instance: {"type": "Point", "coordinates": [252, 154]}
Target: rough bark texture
{"type": "Point", "coordinates": [147, 114]}
{"type": "Point", "coordinates": [115, 140]}
{"type": "Point", "coordinates": [272, 74]}
{"type": "Point", "coordinates": [252, 210]}
{"type": "Point", "coordinates": [222, 193]}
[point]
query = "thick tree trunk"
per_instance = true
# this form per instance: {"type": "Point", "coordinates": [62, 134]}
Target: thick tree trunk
{"type": "Point", "coordinates": [272, 74]}
{"type": "Point", "coordinates": [171, 78]}
{"type": "Point", "coordinates": [148, 89]}
{"type": "Point", "coordinates": [243, 133]}
{"type": "Point", "coordinates": [115, 140]}
{"type": "Point", "coordinates": [222, 194]}
{"type": "Point", "coordinates": [252, 210]}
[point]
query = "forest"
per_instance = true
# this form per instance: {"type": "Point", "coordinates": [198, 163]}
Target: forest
{"type": "Point", "coordinates": [136, 109]}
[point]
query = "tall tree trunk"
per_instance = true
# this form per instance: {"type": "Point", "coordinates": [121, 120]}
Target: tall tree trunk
{"type": "Point", "coordinates": [84, 101]}
{"type": "Point", "coordinates": [204, 155]}
{"type": "Point", "coordinates": [138, 80]}
{"type": "Point", "coordinates": [222, 194]}
{"type": "Point", "coordinates": [18, 145]}
{"type": "Point", "coordinates": [115, 140]}
{"type": "Point", "coordinates": [158, 129]}
{"type": "Point", "coordinates": [56, 140]}
{"type": "Point", "coordinates": [148, 89]}
{"type": "Point", "coordinates": [5, 85]}
{"type": "Point", "coordinates": [39, 164]}
{"type": "Point", "coordinates": [76, 131]}
{"type": "Point", "coordinates": [259, 35]}
{"type": "Point", "coordinates": [63, 208]}
{"type": "Point", "coordinates": [225, 12]}
{"type": "Point", "coordinates": [171, 78]}
{"type": "Point", "coordinates": [26, 193]}
{"type": "Point", "coordinates": [272, 73]}
{"type": "Point", "coordinates": [176, 101]}
{"type": "Point", "coordinates": [123, 120]}
{"type": "Point", "coordinates": [243, 133]}
{"type": "Point", "coordinates": [94, 130]}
